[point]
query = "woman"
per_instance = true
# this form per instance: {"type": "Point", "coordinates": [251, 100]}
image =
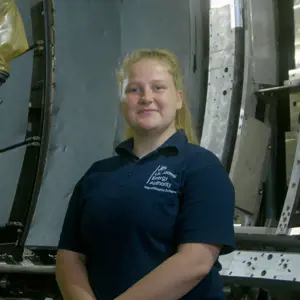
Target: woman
{"type": "Point", "coordinates": [149, 223]}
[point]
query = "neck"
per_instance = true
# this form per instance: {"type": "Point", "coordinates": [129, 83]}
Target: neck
{"type": "Point", "coordinates": [146, 143]}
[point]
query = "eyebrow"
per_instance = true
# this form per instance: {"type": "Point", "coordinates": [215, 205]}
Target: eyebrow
{"type": "Point", "coordinates": [153, 81]}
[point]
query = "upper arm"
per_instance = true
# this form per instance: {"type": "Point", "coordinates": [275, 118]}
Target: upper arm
{"type": "Point", "coordinates": [207, 211]}
{"type": "Point", "coordinates": [66, 256]}
{"type": "Point", "coordinates": [66, 260]}
{"type": "Point", "coordinates": [70, 234]}
{"type": "Point", "coordinates": [204, 255]}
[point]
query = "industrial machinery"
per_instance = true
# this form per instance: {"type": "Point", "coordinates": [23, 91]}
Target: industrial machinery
{"type": "Point", "coordinates": [60, 112]}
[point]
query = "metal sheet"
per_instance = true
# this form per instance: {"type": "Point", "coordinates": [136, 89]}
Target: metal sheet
{"type": "Point", "coordinates": [140, 29]}
{"type": "Point", "coordinates": [140, 17]}
{"type": "Point", "coordinates": [264, 41]}
{"type": "Point", "coordinates": [85, 106]}
{"type": "Point", "coordinates": [248, 165]}
{"type": "Point", "coordinates": [224, 85]}
{"type": "Point", "coordinates": [14, 96]}
{"type": "Point", "coordinates": [185, 40]}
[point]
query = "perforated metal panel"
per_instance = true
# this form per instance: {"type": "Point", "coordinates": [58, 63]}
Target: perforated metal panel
{"type": "Point", "coordinates": [14, 95]}
{"type": "Point", "coordinates": [224, 85]}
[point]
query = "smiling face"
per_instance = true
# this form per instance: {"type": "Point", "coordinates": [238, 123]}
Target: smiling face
{"type": "Point", "coordinates": [151, 99]}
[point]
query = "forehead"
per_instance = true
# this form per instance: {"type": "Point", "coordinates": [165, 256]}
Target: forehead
{"type": "Point", "coordinates": [149, 69]}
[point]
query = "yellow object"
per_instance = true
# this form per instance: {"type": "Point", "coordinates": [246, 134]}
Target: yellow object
{"type": "Point", "coordinates": [13, 41]}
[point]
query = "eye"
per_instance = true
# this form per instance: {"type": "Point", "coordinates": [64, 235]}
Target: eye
{"type": "Point", "coordinates": [133, 90]}
{"type": "Point", "coordinates": [159, 88]}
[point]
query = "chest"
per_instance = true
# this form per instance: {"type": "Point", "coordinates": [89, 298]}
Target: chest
{"type": "Point", "coordinates": [134, 198]}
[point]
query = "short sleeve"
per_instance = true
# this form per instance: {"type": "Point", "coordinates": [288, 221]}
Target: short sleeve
{"type": "Point", "coordinates": [207, 210]}
{"type": "Point", "coordinates": [70, 233]}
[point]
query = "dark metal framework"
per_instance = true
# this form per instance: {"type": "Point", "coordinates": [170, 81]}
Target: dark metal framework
{"type": "Point", "coordinates": [13, 235]}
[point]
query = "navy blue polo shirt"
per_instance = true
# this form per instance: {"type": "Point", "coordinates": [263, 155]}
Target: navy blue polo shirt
{"type": "Point", "coordinates": [128, 215]}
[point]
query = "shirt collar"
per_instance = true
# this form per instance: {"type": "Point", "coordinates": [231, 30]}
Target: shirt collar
{"type": "Point", "coordinates": [176, 142]}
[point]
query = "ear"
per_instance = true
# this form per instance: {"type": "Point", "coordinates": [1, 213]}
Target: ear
{"type": "Point", "coordinates": [179, 99]}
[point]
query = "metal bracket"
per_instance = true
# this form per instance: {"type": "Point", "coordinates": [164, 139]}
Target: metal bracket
{"type": "Point", "coordinates": [32, 141]}
{"type": "Point", "coordinates": [292, 196]}
{"type": "Point", "coordinates": [3, 77]}
{"type": "Point", "coordinates": [10, 233]}
{"type": "Point", "coordinates": [290, 86]}
{"type": "Point", "coordinates": [258, 238]}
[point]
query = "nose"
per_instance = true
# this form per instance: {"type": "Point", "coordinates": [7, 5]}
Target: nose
{"type": "Point", "coordinates": [147, 96]}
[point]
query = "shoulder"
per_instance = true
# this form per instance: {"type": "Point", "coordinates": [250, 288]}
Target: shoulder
{"type": "Point", "coordinates": [205, 174]}
{"type": "Point", "coordinates": [100, 166]}
{"type": "Point", "coordinates": [203, 166]}
{"type": "Point", "coordinates": [104, 165]}
{"type": "Point", "coordinates": [197, 157]}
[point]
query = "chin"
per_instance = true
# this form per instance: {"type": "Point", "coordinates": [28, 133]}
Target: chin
{"type": "Point", "coordinates": [146, 124]}
{"type": "Point", "coordinates": [145, 128]}
{"type": "Point", "coordinates": [148, 128]}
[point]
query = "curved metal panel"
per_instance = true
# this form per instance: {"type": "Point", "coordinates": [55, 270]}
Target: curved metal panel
{"type": "Point", "coordinates": [224, 85]}
{"type": "Point", "coordinates": [86, 103]}
{"type": "Point", "coordinates": [15, 95]}
{"type": "Point", "coordinates": [85, 107]}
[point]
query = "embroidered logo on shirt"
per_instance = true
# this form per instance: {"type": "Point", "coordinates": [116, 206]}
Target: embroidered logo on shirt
{"type": "Point", "coordinates": [160, 180]}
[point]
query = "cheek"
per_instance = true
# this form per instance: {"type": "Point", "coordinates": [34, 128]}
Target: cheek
{"type": "Point", "coordinates": [168, 108]}
{"type": "Point", "coordinates": [128, 107]}
{"type": "Point", "coordinates": [130, 102]}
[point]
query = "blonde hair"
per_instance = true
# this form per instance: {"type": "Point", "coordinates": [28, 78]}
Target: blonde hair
{"type": "Point", "coordinates": [183, 117]}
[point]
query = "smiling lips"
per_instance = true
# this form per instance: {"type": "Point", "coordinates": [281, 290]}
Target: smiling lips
{"type": "Point", "coordinates": [147, 111]}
